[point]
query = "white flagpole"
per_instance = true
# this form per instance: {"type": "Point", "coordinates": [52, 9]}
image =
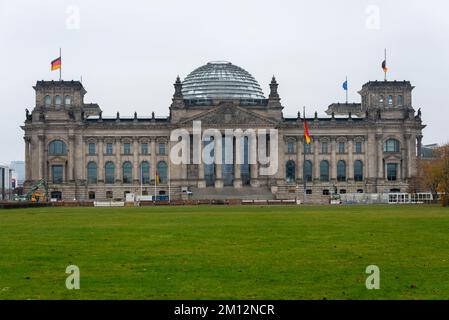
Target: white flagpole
{"type": "Point", "coordinates": [60, 67]}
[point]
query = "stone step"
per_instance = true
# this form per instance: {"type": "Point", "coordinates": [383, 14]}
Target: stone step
{"type": "Point", "coordinates": [244, 193]}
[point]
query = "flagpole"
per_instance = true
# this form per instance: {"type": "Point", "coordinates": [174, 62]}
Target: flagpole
{"type": "Point", "coordinates": [304, 154]}
{"type": "Point", "coordinates": [60, 67]}
{"type": "Point", "coordinates": [385, 70]}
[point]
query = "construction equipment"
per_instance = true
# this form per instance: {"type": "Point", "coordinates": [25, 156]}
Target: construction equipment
{"type": "Point", "coordinates": [34, 195]}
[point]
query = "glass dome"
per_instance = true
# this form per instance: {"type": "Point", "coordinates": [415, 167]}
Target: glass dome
{"type": "Point", "coordinates": [221, 80]}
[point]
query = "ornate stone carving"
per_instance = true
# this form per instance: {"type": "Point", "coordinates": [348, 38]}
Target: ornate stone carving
{"type": "Point", "coordinates": [231, 115]}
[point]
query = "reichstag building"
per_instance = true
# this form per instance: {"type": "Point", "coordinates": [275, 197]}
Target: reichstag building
{"type": "Point", "coordinates": [372, 146]}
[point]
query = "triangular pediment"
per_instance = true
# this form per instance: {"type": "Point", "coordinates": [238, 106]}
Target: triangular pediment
{"type": "Point", "coordinates": [230, 115]}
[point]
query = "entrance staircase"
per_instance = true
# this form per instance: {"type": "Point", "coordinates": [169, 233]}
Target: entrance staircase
{"type": "Point", "coordinates": [244, 193]}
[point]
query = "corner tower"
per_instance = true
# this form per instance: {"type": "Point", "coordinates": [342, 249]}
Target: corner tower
{"type": "Point", "coordinates": [388, 99]}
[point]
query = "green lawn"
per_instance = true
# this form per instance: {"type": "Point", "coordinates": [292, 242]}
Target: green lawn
{"type": "Point", "coordinates": [225, 252]}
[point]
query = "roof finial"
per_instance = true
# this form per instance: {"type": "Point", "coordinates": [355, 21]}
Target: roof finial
{"type": "Point", "coordinates": [178, 88]}
{"type": "Point", "coordinates": [273, 89]}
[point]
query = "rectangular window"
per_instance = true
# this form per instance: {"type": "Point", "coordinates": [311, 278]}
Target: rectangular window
{"type": "Point", "coordinates": [392, 171]}
{"type": "Point", "coordinates": [341, 147]}
{"type": "Point", "coordinates": [162, 148]}
{"type": "Point", "coordinates": [144, 148]}
{"type": "Point", "coordinates": [324, 147]}
{"type": "Point", "coordinates": [108, 194]}
{"type": "Point", "coordinates": [307, 148]}
{"type": "Point", "coordinates": [358, 147]}
{"type": "Point", "coordinates": [109, 148]}
{"type": "Point", "coordinates": [127, 148]}
{"type": "Point", "coordinates": [57, 172]}
{"type": "Point", "coordinates": [91, 148]}
{"type": "Point", "coordinates": [290, 147]}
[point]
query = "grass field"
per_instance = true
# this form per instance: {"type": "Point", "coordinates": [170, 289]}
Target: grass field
{"type": "Point", "coordinates": [235, 252]}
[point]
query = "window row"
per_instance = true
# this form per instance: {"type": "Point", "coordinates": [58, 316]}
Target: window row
{"type": "Point", "coordinates": [57, 100]}
{"type": "Point", "coordinates": [290, 170]}
{"type": "Point", "coordinates": [110, 175]}
{"type": "Point", "coordinates": [325, 147]}
{"type": "Point", "coordinates": [392, 100]}
{"type": "Point", "coordinates": [126, 148]}
{"type": "Point", "coordinates": [59, 147]}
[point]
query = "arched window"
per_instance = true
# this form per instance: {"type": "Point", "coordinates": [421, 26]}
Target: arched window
{"type": "Point", "coordinates": [57, 148]}
{"type": "Point", "coordinates": [162, 171]}
{"type": "Point", "coordinates": [341, 170]}
{"type": "Point", "coordinates": [58, 101]}
{"type": "Point", "coordinates": [308, 170]}
{"type": "Point", "coordinates": [47, 101]}
{"type": "Point", "coordinates": [390, 100]}
{"type": "Point", "coordinates": [109, 172]}
{"type": "Point", "coordinates": [358, 170]}
{"type": "Point", "coordinates": [145, 172]}
{"type": "Point", "coordinates": [400, 100]}
{"type": "Point", "coordinates": [290, 171]}
{"type": "Point", "coordinates": [92, 172]}
{"type": "Point", "coordinates": [381, 99]}
{"type": "Point", "coordinates": [127, 172]}
{"type": "Point", "coordinates": [67, 100]}
{"type": "Point", "coordinates": [324, 170]}
{"type": "Point", "coordinates": [391, 145]}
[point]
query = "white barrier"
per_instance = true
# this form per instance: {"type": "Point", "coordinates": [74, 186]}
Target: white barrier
{"type": "Point", "coordinates": [109, 203]}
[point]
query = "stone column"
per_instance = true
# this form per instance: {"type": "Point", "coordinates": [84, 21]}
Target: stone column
{"type": "Point", "coordinates": [380, 168]}
{"type": "Point", "coordinates": [71, 161]}
{"type": "Point", "coordinates": [237, 163]}
{"type": "Point", "coordinates": [405, 169]}
{"type": "Point", "coordinates": [254, 167]}
{"type": "Point", "coordinates": [412, 158]}
{"type": "Point", "coordinates": [315, 162]}
{"type": "Point", "coordinates": [41, 139]}
{"type": "Point", "coordinates": [136, 171]}
{"type": "Point", "coordinates": [118, 160]}
{"type": "Point", "coordinates": [79, 150]}
{"type": "Point", "coordinates": [27, 159]}
{"type": "Point", "coordinates": [153, 163]}
{"type": "Point", "coordinates": [419, 142]}
{"type": "Point", "coordinates": [350, 167]}
{"type": "Point", "coordinates": [218, 166]}
{"type": "Point", "coordinates": [333, 165]}
{"type": "Point", "coordinates": [299, 158]}
{"type": "Point", "coordinates": [101, 160]}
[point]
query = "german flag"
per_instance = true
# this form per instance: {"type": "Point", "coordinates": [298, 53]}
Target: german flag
{"type": "Point", "coordinates": [158, 179]}
{"type": "Point", "coordinates": [306, 132]}
{"type": "Point", "coordinates": [56, 64]}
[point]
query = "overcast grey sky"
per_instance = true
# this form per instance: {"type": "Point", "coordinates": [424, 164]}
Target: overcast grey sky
{"type": "Point", "coordinates": [130, 52]}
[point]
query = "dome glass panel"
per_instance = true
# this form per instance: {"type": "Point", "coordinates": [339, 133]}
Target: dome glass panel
{"type": "Point", "coordinates": [221, 80]}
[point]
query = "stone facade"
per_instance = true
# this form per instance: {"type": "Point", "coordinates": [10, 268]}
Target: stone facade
{"type": "Point", "coordinates": [374, 150]}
